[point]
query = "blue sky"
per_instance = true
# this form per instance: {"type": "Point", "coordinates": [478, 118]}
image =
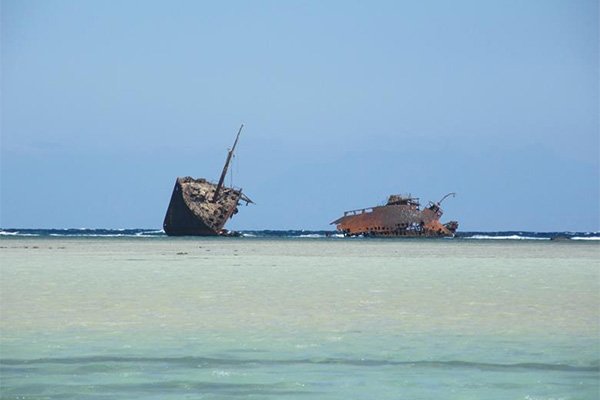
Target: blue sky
{"type": "Point", "coordinates": [105, 103]}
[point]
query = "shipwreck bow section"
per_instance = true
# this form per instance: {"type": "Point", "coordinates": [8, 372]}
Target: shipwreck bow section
{"type": "Point", "coordinates": [201, 208]}
{"type": "Point", "coordinates": [401, 216]}
{"type": "Point", "coordinates": [192, 213]}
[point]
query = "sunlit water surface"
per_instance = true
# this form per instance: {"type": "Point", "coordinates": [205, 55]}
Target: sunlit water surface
{"type": "Point", "coordinates": [163, 318]}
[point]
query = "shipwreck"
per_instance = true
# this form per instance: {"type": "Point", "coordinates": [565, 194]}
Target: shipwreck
{"type": "Point", "coordinates": [199, 207]}
{"type": "Point", "coordinates": [401, 216]}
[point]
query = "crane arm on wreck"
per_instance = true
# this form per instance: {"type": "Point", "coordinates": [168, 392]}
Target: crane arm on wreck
{"type": "Point", "coordinates": [446, 196]}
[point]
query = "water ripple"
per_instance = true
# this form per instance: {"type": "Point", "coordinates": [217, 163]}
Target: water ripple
{"type": "Point", "coordinates": [207, 362]}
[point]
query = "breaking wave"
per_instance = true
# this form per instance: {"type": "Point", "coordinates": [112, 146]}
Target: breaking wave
{"type": "Point", "coordinates": [16, 233]}
{"type": "Point", "coordinates": [82, 232]}
{"type": "Point", "coordinates": [510, 237]}
{"type": "Point", "coordinates": [513, 235]}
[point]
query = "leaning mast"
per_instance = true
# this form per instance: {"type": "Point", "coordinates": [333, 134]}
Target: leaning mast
{"type": "Point", "coordinates": [226, 166]}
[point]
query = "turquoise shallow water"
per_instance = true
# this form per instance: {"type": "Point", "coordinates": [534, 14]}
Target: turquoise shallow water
{"type": "Point", "coordinates": [162, 318]}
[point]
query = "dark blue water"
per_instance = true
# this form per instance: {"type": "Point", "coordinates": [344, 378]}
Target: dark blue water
{"type": "Point", "coordinates": [137, 232]}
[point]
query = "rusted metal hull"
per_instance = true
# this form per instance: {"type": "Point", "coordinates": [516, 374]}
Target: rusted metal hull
{"type": "Point", "coordinates": [401, 217]}
{"type": "Point", "coordinates": [192, 212]}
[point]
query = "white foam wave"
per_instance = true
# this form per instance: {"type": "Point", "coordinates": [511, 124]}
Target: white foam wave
{"type": "Point", "coordinates": [88, 235]}
{"type": "Point", "coordinates": [586, 238]}
{"type": "Point", "coordinates": [105, 235]}
{"type": "Point", "coordinates": [510, 237]}
{"type": "Point", "coordinates": [311, 235]}
{"type": "Point", "coordinates": [5, 233]}
{"type": "Point", "coordinates": [149, 233]}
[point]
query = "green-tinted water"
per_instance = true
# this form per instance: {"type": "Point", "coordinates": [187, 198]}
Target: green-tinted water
{"type": "Point", "coordinates": [282, 318]}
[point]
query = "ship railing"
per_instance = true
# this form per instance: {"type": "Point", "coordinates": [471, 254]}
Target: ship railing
{"type": "Point", "coordinates": [242, 194]}
{"type": "Point", "coordinates": [358, 211]}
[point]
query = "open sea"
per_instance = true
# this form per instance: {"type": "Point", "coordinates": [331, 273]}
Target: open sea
{"type": "Point", "coordinates": [133, 314]}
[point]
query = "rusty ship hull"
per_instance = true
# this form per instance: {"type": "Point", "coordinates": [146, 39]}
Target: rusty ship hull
{"type": "Point", "coordinates": [199, 207]}
{"type": "Point", "coordinates": [402, 216]}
